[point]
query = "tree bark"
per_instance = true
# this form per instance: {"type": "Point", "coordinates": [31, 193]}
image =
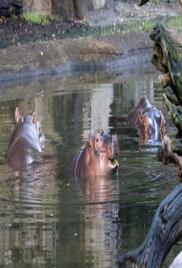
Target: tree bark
{"type": "Point", "coordinates": [165, 231]}
{"type": "Point", "coordinates": [166, 59]}
{"type": "Point", "coordinates": [9, 7]}
{"type": "Point", "coordinates": [166, 154]}
{"type": "Point", "coordinates": [68, 9]}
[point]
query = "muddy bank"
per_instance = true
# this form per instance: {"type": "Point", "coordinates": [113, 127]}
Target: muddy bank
{"type": "Point", "coordinates": [69, 55]}
{"type": "Point", "coordinates": [62, 47]}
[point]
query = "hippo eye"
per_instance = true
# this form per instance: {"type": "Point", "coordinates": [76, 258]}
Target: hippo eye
{"type": "Point", "coordinates": [97, 140]}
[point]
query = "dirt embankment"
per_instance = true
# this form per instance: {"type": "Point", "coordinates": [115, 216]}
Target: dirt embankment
{"type": "Point", "coordinates": [28, 49]}
{"type": "Point", "coordinates": [71, 54]}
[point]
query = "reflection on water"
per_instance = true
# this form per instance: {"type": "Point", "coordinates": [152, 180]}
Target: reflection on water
{"type": "Point", "coordinates": [49, 220]}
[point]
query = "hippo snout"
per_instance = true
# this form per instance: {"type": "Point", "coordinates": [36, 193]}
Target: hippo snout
{"type": "Point", "coordinates": [98, 156]}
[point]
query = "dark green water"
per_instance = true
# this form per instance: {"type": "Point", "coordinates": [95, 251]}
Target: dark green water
{"type": "Point", "coordinates": [49, 220]}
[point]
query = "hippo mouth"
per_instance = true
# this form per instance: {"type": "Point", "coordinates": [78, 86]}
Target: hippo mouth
{"type": "Point", "coordinates": [113, 163]}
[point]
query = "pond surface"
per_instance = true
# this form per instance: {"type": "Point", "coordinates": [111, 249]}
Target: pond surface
{"type": "Point", "coordinates": [49, 220]}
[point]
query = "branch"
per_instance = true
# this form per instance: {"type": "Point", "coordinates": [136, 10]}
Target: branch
{"type": "Point", "coordinates": [165, 231]}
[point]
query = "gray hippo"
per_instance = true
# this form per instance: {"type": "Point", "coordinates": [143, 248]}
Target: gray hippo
{"type": "Point", "coordinates": [148, 121]}
{"type": "Point", "coordinates": [26, 141]}
{"type": "Point", "coordinates": [98, 156]}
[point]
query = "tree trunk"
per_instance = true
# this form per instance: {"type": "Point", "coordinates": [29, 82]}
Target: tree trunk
{"type": "Point", "coordinates": [165, 231]}
{"type": "Point", "coordinates": [9, 7]}
{"type": "Point", "coordinates": [38, 6]}
{"type": "Point", "coordinates": [166, 59]}
{"type": "Point", "coordinates": [67, 9]}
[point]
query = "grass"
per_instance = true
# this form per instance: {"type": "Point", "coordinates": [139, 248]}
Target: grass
{"type": "Point", "coordinates": [41, 19]}
{"type": "Point", "coordinates": [174, 22]}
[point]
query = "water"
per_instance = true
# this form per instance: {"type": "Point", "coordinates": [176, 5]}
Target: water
{"type": "Point", "coordinates": [49, 220]}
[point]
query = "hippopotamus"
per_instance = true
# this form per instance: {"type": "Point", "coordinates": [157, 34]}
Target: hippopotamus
{"type": "Point", "coordinates": [26, 141]}
{"type": "Point", "coordinates": [148, 121]}
{"type": "Point", "coordinates": [98, 156]}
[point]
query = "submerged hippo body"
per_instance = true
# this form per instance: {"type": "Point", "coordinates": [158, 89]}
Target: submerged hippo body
{"type": "Point", "coordinates": [26, 141]}
{"type": "Point", "coordinates": [148, 121]}
{"type": "Point", "coordinates": [98, 156]}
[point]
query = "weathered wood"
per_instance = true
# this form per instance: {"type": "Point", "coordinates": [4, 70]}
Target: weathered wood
{"type": "Point", "coordinates": [167, 154]}
{"type": "Point", "coordinates": [166, 59]}
{"type": "Point", "coordinates": [165, 231]}
{"type": "Point", "coordinates": [175, 113]}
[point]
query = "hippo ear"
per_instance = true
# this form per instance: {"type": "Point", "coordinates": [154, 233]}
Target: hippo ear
{"type": "Point", "coordinates": [18, 114]}
{"type": "Point", "coordinates": [102, 133]}
{"type": "Point", "coordinates": [90, 139]}
{"type": "Point", "coordinates": [34, 120]}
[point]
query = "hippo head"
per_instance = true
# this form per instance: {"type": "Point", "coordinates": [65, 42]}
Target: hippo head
{"type": "Point", "coordinates": [32, 128]}
{"type": "Point", "coordinates": [148, 121]}
{"type": "Point", "coordinates": [105, 149]}
{"type": "Point", "coordinates": [150, 124]}
{"type": "Point", "coordinates": [26, 142]}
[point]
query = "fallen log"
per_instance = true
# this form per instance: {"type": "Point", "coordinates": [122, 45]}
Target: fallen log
{"type": "Point", "coordinates": [165, 231]}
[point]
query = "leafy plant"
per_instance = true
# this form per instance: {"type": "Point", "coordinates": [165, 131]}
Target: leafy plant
{"type": "Point", "coordinates": [41, 19]}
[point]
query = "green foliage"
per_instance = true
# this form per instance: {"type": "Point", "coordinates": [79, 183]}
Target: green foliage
{"type": "Point", "coordinates": [174, 22]}
{"type": "Point", "coordinates": [41, 19]}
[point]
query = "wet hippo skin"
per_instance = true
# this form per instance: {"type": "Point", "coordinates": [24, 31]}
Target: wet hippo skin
{"type": "Point", "coordinates": [26, 141]}
{"type": "Point", "coordinates": [98, 156]}
{"type": "Point", "coordinates": [148, 121]}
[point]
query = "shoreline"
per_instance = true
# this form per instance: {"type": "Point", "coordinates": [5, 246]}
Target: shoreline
{"type": "Point", "coordinates": [71, 55]}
